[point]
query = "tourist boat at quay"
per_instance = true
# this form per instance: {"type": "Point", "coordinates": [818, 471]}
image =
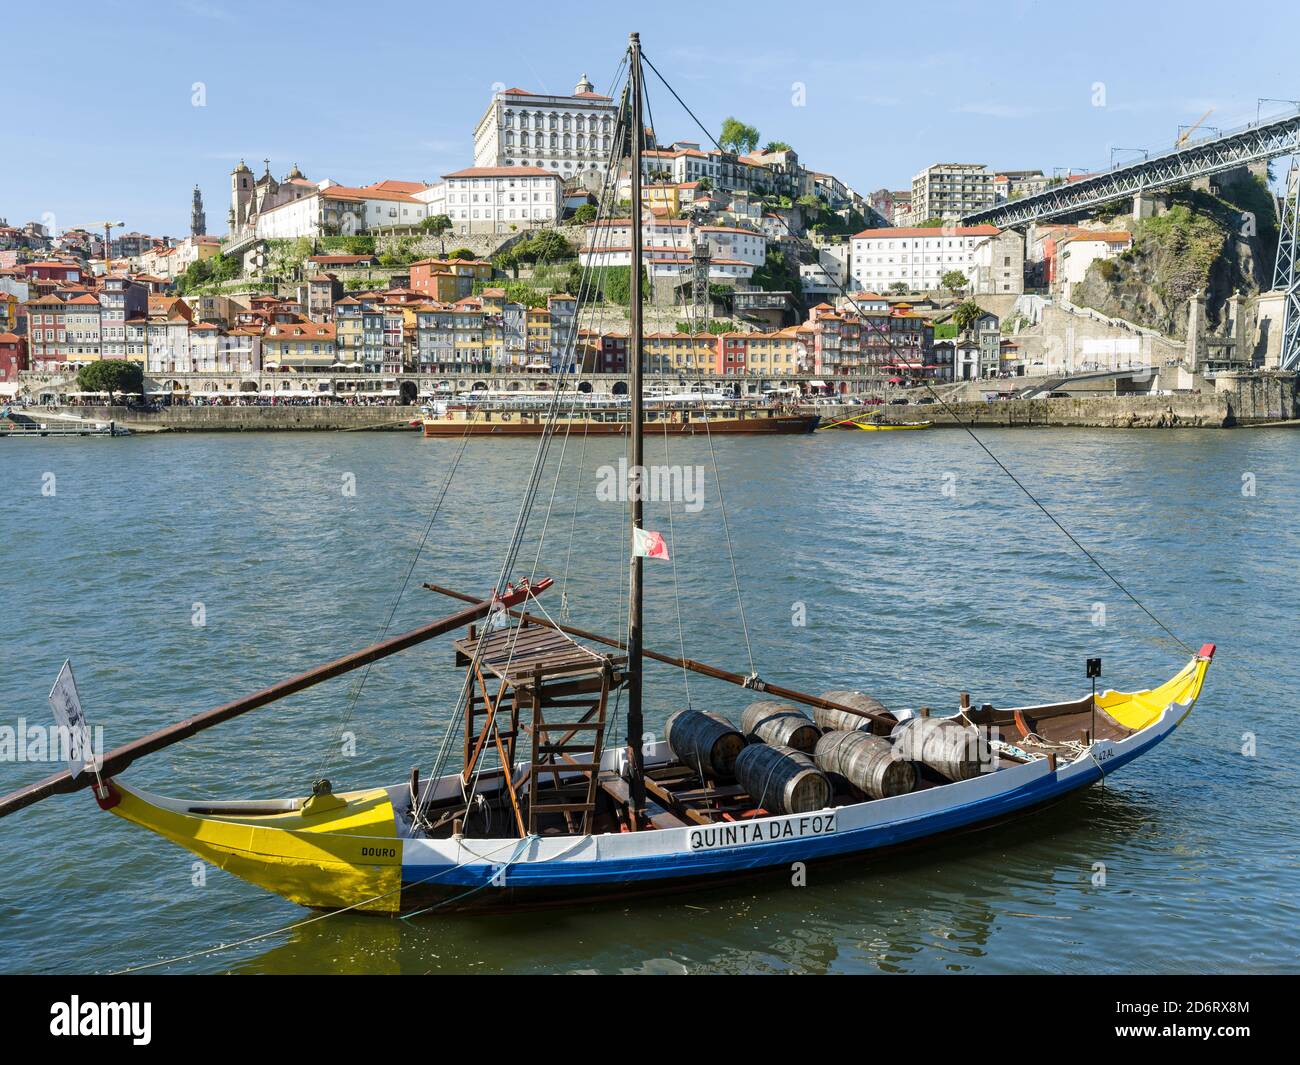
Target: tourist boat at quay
{"type": "Point", "coordinates": [688, 413]}
{"type": "Point", "coordinates": [549, 806]}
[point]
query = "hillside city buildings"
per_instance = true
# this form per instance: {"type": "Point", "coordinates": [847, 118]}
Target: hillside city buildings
{"type": "Point", "coordinates": [777, 241]}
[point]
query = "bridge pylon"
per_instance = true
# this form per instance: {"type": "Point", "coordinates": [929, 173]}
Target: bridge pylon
{"type": "Point", "coordinates": [1286, 271]}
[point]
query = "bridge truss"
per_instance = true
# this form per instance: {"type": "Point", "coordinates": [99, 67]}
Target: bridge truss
{"type": "Point", "coordinates": [1255, 143]}
{"type": "Point", "coordinates": [1260, 141]}
{"type": "Point", "coordinates": [1286, 275]}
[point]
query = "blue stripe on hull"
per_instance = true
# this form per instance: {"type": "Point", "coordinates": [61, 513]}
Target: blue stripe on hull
{"type": "Point", "coordinates": [740, 859]}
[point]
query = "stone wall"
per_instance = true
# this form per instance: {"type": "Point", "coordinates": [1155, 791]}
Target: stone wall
{"type": "Point", "coordinates": [1064, 335]}
{"type": "Point", "coordinates": [252, 419]}
{"type": "Point", "coordinates": [1206, 410]}
{"type": "Point", "coordinates": [1261, 397]}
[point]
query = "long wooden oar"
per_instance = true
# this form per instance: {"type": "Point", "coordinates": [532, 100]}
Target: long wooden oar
{"type": "Point", "coordinates": [740, 679]}
{"type": "Point", "coordinates": [852, 419]}
{"type": "Point", "coordinates": [121, 757]}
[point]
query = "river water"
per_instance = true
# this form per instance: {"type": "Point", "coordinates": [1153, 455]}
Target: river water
{"type": "Point", "coordinates": [179, 571]}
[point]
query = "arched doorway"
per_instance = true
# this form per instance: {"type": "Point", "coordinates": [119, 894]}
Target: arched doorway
{"type": "Point", "coordinates": [408, 392]}
{"type": "Point", "coordinates": [584, 386]}
{"type": "Point", "coordinates": [620, 388]}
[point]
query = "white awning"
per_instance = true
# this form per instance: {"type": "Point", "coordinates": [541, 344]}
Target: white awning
{"type": "Point", "coordinates": [817, 384]}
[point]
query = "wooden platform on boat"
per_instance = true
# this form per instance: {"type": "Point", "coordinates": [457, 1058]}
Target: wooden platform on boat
{"type": "Point", "coordinates": [520, 653]}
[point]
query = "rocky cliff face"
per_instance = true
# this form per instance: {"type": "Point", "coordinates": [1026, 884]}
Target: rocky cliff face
{"type": "Point", "coordinates": [1217, 242]}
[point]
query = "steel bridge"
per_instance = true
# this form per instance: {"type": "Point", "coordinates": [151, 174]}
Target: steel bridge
{"type": "Point", "coordinates": [1286, 273]}
{"type": "Point", "coordinates": [1257, 142]}
{"type": "Point", "coordinates": [1254, 143]}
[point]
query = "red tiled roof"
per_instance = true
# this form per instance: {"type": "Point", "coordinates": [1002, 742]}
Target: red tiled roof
{"type": "Point", "coordinates": [390, 185]}
{"type": "Point", "coordinates": [346, 192]}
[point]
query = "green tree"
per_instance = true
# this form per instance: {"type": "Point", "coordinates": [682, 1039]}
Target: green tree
{"type": "Point", "coordinates": [585, 214]}
{"type": "Point", "coordinates": [899, 288]}
{"type": "Point", "coordinates": [968, 312]}
{"type": "Point", "coordinates": [778, 274]}
{"type": "Point", "coordinates": [738, 137]}
{"type": "Point", "coordinates": [776, 146]}
{"type": "Point", "coordinates": [617, 285]}
{"type": "Point", "coordinates": [507, 260]}
{"type": "Point", "coordinates": [954, 281]}
{"type": "Point", "coordinates": [437, 224]}
{"type": "Point", "coordinates": [461, 253]}
{"type": "Point", "coordinates": [548, 246]}
{"type": "Point", "coordinates": [111, 375]}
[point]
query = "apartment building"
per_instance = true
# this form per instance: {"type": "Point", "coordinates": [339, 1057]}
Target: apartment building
{"type": "Point", "coordinates": [914, 257]}
{"type": "Point", "coordinates": [497, 199]}
{"type": "Point", "coordinates": [951, 190]}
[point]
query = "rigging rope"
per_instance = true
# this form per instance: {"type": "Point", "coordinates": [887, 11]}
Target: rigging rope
{"type": "Point", "coordinates": [525, 511]}
{"type": "Point", "coordinates": [944, 404]}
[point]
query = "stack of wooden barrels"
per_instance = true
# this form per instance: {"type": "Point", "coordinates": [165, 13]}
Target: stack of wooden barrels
{"type": "Point", "coordinates": [791, 763]}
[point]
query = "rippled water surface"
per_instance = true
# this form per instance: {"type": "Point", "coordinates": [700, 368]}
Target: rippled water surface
{"type": "Point", "coordinates": [910, 592]}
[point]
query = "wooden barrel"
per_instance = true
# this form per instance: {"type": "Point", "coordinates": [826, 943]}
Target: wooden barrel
{"type": "Point", "coordinates": [779, 723]}
{"type": "Point", "coordinates": [782, 780]}
{"type": "Point", "coordinates": [837, 720]}
{"type": "Point", "coordinates": [705, 741]}
{"type": "Point", "coordinates": [868, 762]}
{"type": "Point", "coordinates": [951, 749]}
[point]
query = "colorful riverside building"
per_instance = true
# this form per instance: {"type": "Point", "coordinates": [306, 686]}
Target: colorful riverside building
{"type": "Point", "coordinates": [47, 331]}
{"type": "Point", "coordinates": [13, 360]}
{"type": "Point", "coordinates": [448, 280]}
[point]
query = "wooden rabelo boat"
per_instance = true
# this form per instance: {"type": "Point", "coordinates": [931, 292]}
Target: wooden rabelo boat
{"type": "Point", "coordinates": [870, 423]}
{"type": "Point", "coordinates": [549, 807]}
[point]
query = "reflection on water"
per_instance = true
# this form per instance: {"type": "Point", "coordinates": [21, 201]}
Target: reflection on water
{"type": "Point", "coordinates": [907, 593]}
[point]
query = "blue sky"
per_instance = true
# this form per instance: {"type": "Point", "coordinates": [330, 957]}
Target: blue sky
{"type": "Point", "coordinates": [102, 124]}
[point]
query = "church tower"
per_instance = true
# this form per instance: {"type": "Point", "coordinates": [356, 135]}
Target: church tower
{"type": "Point", "coordinates": [584, 86]}
{"type": "Point", "coordinates": [198, 221]}
{"type": "Point", "coordinates": [241, 195]}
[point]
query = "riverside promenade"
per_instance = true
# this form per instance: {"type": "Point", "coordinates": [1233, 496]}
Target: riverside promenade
{"type": "Point", "coordinates": [1243, 406]}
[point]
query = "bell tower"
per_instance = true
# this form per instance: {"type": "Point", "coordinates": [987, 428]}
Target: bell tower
{"type": "Point", "coordinates": [241, 195]}
{"type": "Point", "coordinates": [198, 221]}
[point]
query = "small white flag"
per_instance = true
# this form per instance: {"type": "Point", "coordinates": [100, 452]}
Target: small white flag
{"type": "Point", "coordinates": [648, 544]}
{"type": "Point", "coordinates": [66, 704]}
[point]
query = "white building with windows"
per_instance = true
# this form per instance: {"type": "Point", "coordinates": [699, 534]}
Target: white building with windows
{"type": "Point", "coordinates": [335, 209]}
{"type": "Point", "coordinates": [496, 199]}
{"type": "Point", "coordinates": [566, 135]}
{"type": "Point", "coordinates": [668, 246]}
{"type": "Point", "coordinates": [916, 257]}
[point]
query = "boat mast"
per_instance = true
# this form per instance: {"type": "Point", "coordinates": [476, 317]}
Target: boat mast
{"type": "Point", "coordinates": [636, 449]}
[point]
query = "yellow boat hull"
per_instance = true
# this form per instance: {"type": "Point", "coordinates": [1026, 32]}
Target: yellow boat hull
{"type": "Point", "coordinates": [880, 427]}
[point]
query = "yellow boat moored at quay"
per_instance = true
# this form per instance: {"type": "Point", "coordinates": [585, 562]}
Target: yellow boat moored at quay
{"type": "Point", "coordinates": [867, 424]}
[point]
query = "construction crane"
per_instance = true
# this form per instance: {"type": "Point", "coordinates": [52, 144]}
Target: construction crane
{"type": "Point", "coordinates": [107, 227]}
{"type": "Point", "coordinates": [1187, 133]}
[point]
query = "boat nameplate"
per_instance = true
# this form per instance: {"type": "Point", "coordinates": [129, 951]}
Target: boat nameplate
{"type": "Point", "coordinates": [767, 830]}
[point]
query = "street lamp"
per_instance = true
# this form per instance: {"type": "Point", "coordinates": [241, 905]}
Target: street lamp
{"type": "Point", "coordinates": [1145, 154]}
{"type": "Point", "coordinates": [1261, 101]}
